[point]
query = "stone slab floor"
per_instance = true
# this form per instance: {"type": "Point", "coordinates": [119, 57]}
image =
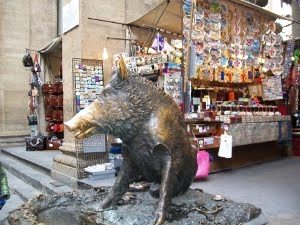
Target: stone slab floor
{"type": "Point", "coordinates": [273, 186]}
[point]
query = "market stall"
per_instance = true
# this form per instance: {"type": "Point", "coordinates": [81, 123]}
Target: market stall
{"type": "Point", "coordinates": [232, 69]}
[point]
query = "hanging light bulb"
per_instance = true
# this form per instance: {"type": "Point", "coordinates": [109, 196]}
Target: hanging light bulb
{"type": "Point", "coordinates": [104, 54]}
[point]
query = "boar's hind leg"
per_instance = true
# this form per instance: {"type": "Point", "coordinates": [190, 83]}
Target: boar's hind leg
{"type": "Point", "coordinates": [167, 181]}
{"type": "Point", "coordinates": [126, 175]}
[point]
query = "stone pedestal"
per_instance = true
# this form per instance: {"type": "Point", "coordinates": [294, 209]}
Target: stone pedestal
{"type": "Point", "coordinates": [83, 207]}
{"type": "Point", "coordinates": [65, 165]}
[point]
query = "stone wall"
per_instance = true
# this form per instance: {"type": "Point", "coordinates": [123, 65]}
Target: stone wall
{"type": "Point", "coordinates": [24, 24]}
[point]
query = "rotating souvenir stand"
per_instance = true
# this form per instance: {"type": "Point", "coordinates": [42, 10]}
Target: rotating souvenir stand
{"type": "Point", "coordinates": [88, 83]}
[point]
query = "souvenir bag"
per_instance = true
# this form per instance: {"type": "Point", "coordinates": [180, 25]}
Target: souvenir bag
{"type": "Point", "coordinates": [48, 113]}
{"type": "Point", "coordinates": [48, 88]}
{"type": "Point", "coordinates": [53, 144]}
{"type": "Point", "coordinates": [32, 118]}
{"type": "Point", "coordinates": [60, 101]}
{"type": "Point", "coordinates": [27, 60]}
{"type": "Point", "coordinates": [58, 88]}
{"type": "Point", "coordinates": [203, 162]}
{"type": "Point", "coordinates": [50, 127]}
{"type": "Point", "coordinates": [59, 127]}
{"type": "Point", "coordinates": [35, 80]}
{"type": "Point", "coordinates": [36, 66]}
{"type": "Point", "coordinates": [53, 101]}
{"type": "Point", "coordinates": [225, 149]}
{"type": "Point", "coordinates": [35, 143]}
{"type": "Point", "coordinates": [32, 104]}
{"type": "Point", "coordinates": [34, 92]}
{"type": "Point", "coordinates": [58, 115]}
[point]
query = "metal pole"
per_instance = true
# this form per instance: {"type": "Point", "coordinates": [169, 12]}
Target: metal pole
{"type": "Point", "coordinates": [186, 99]}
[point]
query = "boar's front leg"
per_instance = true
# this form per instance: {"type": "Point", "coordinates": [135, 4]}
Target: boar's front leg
{"type": "Point", "coordinates": [126, 175]}
{"type": "Point", "coordinates": [162, 154]}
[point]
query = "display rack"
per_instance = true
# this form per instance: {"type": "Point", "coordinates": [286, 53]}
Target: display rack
{"type": "Point", "coordinates": [88, 83]}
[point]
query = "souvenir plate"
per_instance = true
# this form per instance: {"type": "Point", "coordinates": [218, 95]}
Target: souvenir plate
{"type": "Point", "coordinates": [237, 29]}
{"type": "Point", "coordinates": [249, 61]}
{"type": "Point", "coordinates": [279, 49]}
{"type": "Point", "coordinates": [199, 47]}
{"type": "Point", "coordinates": [215, 44]}
{"type": "Point", "coordinates": [224, 22]}
{"type": "Point", "coordinates": [237, 63]}
{"type": "Point", "coordinates": [215, 53]}
{"type": "Point", "coordinates": [215, 17]}
{"type": "Point", "coordinates": [270, 39]}
{"type": "Point", "coordinates": [199, 59]}
{"type": "Point", "coordinates": [224, 61]}
{"type": "Point", "coordinates": [223, 47]}
{"type": "Point", "coordinates": [278, 59]}
{"type": "Point", "coordinates": [277, 70]}
{"type": "Point", "coordinates": [255, 46]}
{"type": "Point", "coordinates": [215, 35]}
{"type": "Point", "coordinates": [237, 39]}
{"type": "Point", "coordinates": [224, 10]}
{"type": "Point", "coordinates": [278, 39]}
{"type": "Point", "coordinates": [215, 7]}
{"type": "Point", "coordinates": [206, 73]}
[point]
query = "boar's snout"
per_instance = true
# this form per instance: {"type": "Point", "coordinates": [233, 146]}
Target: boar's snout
{"type": "Point", "coordinates": [70, 126]}
{"type": "Point", "coordinates": [82, 124]}
{"type": "Point", "coordinates": [73, 126]}
{"type": "Point", "coordinates": [82, 128]}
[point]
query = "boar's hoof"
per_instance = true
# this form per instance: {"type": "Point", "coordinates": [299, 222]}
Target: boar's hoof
{"type": "Point", "coordinates": [159, 217]}
{"type": "Point", "coordinates": [106, 203]}
{"type": "Point", "coordinates": [154, 190]}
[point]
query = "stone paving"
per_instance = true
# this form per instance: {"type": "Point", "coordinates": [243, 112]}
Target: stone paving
{"type": "Point", "coordinates": [273, 186]}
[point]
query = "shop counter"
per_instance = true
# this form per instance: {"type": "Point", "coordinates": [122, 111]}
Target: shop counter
{"type": "Point", "coordinates": [253, 142]}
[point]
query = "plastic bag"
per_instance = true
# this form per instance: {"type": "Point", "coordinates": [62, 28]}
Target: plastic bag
{"type": "Point", "coordinates": [203, 161]}
{"type": "Point", "coordinates": [225, 149]}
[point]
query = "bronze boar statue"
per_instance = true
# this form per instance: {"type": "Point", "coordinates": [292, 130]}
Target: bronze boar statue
{"type": "Point", "coordinates": [153, 132]}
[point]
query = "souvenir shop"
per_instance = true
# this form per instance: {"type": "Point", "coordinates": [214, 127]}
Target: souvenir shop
{"type": "Point", "coordinates": [45, 104]}
{"type": "Point", "coordinates": [226, 65]}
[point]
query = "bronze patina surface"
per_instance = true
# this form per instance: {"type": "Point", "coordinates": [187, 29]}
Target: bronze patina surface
{"type": "Point", "coordinates": [153, 132]}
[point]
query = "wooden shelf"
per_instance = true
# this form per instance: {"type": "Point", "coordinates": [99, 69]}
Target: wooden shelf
{"type": "Point", "coordinates": [203, 134]}
{"type": "Point", "coordinates": [198, 121]}
{"type": "Point", "coordinates": [213, 146]}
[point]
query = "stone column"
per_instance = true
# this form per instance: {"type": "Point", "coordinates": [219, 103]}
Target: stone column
{"type": "Point", "coordinates": [65, 165]}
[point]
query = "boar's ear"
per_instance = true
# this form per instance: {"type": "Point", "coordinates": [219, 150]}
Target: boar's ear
{"type": "Point", "coordinates": [123, 74]}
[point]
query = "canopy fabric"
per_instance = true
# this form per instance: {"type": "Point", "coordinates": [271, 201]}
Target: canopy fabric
{"type": "Point", "coordinates": [171, 15]}
{"type": "Point", "coordinates": [54, 47]}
